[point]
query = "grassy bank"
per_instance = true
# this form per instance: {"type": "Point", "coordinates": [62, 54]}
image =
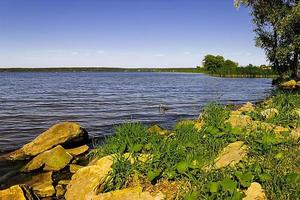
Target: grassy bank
{"type": "Point", "coordinates": [241, 72]}
{"type": "Point", "coordinates": [182, 162]}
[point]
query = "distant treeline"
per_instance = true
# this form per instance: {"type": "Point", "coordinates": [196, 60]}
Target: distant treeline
{"type": "Point", "coordinates": [99, 69]}
{"type": "Point", "coordinates": [218, 66]}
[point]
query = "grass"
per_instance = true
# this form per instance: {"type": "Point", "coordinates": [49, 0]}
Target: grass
{"type": "Point", "coordinates": [183, 154]}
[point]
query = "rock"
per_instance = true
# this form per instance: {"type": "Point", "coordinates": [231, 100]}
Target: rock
{"type": "Point", "coordinates": [240, 121]}
{"type": "Point", "coordinates": [255, 192]}
{"type": "Point", "coordinates": [78, 150]}
{"type": "Point", "coordinates": [231, 154]}
{"type": "Point", "coordinates": [74, 168]}
{"type": "Point", "coordinates": [42, 184]}
{"type": "Point", "coordinates": [157, 130]}
{"type": "Point", "coordinates": [52, 160]}
{"type": "Point", "coordinates": [66, 132]}
{"type": "Point", "coordinates": [87, 181]}
{"type": "Point", "coordinates": [269, 113]}
{"type": "Point", "coordinates": [60, 191]}
{"type": "Point", "coordinates": [289, 84]}
{"type": "Point", "coordinates": [13, 193]}
{"type": "Point", "coordinates": [247, 107]}
{"type": "Point", "coordinates": [135, 193]}
{"type": "Point", "coordinates": [64, 182]}
{"type": "Point", "coordinates": [295, 134]}
{"type": "Point", "coordinates": [268, 127]}
{"type": "Point", "coordinates": [198, 125]}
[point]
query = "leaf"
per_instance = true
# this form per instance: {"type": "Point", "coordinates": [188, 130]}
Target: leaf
{"type": "Point", "coordinates": [278, 156]}
{"type": "Point", "coordinates": [245, 179]}
{"type": "Point", "coordinates": [182, 167]}
{"type": "Point", "coordinates": [228, 185]}
{"type": "Point", "coordinates": [194, 195]}
{"type": "Point", "coordinates": [148, 146]}
{"type": "Point", "coordinates": [264, 177]}
{"type": "Point", "coordinates": [237, 195]}
{"type": "Point", "coordinates": [153, 174]}
{"type": "Point", "coordinates": [214, 187]}
{"type": "Point", "coordinates": [137, 148]}
{"type": "Point", "coordinates": [292, 178]}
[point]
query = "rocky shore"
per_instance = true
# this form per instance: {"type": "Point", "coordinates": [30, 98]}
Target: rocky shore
{"type": "Point", "coordinates": [59, 167]}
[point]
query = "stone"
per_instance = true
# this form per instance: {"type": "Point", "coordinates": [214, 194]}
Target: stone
{"type": "Point", "coordinates": [87, 181]}
{"type": "Point", "coordinates": [157, 130]}
{"type": "Point", "coordinates": [74, 168]}
{"type": "Point", "coordinates": [268, 127]}
{"type": "Point", "coordinates": [52, 160]}
{"type": "Point", "coordinates": [134, 193]}
{"type": "Point", "coordinates": [231, 154]}
{"type": "Point", "coordinates": [198, 125]}
{"type": "Point", "coordinates": [66, 132]}
{"type": "Point", "coordinates": [255, 192]}
{"type": "Point", "coordinates": [289, 84]}
{"type": "Point", "coordinates": [269, 113]}
{"type": "Point", "coordinates": [42, 184]}
{"type": "Point", "coordinates": [240, 121]}
{"type": "Point", "coordinates": [13, 193]}
{"type": "Point", "coordinates": [64, 182]}
{"type": "Point", "coordinates": [295, 134]}
{"type": "Point", "coordinates": [78, 150]}
{"type": "Point", "coordinates": [247, 107]}
{"type": "Point", "coordinates": [60, 191]}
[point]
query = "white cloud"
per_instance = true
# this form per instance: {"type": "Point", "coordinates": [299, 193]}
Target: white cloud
{"type": "Point", "coordinates": [100, 52]}
{"type": "Point", "coordinates": [159, 55]}
{"type": "Point", "coordinates": [75, 53]}
{"type": "Point", "coordinates": [187, 53]}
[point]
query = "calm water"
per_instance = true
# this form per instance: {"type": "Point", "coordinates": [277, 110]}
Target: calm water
{"type": "Point", "coordinates": [31, 102]}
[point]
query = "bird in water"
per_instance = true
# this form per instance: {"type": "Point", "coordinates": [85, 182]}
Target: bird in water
{"type": "Point", "coordinates": [163, 108]}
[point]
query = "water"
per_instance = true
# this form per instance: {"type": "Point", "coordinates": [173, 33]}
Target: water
{"type": "Point", "coordinates": [31, 102]}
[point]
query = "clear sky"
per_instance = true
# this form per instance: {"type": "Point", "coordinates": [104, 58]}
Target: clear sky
{"type": "Point", "coordinates": [124, 33]}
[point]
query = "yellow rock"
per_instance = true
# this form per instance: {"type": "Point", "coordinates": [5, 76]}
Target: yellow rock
{"type": "Point", "coordinates": [268, 127]}
{"type": "Point", "coordinates": [60, 191]}
{"type": "Point", "coordinates": [240, 121]}
{"type": "Point", "coordinates": [255, 192]}
{"type": "Point", "coordinates": [42, 184]}
{"type": "Point", "coordinates": [87, 181]}
{"type": "Point", "coordinates": [198, 125]}
{"type": "Point", "coordinates": [78, 150]}
{"type": "Point", "coordinates": [52, 160]}
{"type": "Point", "coordinates": [57, 134]}
{"type": "Point", "coordinates": [295, 134]}
{"type": "Point", "coordinates": [128, 194]}
{"type": "Point", "coordinates": [157, 129]}
{"type": "Point", "coordinates": [13, 193]}
{"type": "Point", "coordinates": [247, 107]}
{"type": "Point", "coordinates": [231, 155]}
{"type": "Point", "coordinates": [289, 84]}
{"type": "Point", "coordinates": [269, 113]}
{"type": "Point", "coordinates": [64, 182]}
{"type": "Point", "coordinates": [236, 112]}
{"type": "Point", "coordinates": [74, 168]}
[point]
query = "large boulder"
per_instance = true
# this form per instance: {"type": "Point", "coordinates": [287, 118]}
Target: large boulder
{"type": "Point", "coordinates": [134, 193]}
{"type": "Point", "coordinates": [255, 192]}
{"type": "Point", "coordinates": [62, 133]}
{"type": "Point", "coordinates": [52, 160]}
{"type": "Point", "coordinates": [240, 121]}
{"type": "Point", "coordinates": [87, 181]}
{"type": "Point", "coordinates": [231, 154]}
{"type": "Point", "coordinates": [247, 107]}
{"type": "Point", "coordinates": [42, 184]}
{"type": "Point", "coordinates": [78, 150]}
{"type": "Point", "coordinates": [13, 193]}
{"type": "Point", "coordinates": [289, 84]}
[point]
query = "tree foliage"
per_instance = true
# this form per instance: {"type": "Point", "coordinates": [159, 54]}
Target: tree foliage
{"type": "Point", "coordinates": [212, 63]}
{"type": "Point", "coordinates": [277, 28]}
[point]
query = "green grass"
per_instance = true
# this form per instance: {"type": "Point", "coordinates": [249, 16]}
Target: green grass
{"type": "Point", "coordinates": [272, 161]}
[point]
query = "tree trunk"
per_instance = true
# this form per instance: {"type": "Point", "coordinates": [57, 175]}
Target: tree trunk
{"type": "Point", "coordinates": [295, 66]}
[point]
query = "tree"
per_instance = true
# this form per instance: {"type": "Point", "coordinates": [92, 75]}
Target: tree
{"type": "Point", "coordinates": [211, 62]}
{"type": "Point", "coordinates": [230, 64]}
{"type": "Point", "coordinates": [277, 25]}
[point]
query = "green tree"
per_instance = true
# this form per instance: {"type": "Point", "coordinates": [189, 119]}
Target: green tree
{"type": "Point", "coordinates": [277, 25]}
{"type": "Point", "coordinates": [211, 62]}
{"type": "Point", "coordinates": [230, 64]}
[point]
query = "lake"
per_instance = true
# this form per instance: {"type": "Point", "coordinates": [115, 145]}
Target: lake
{"type": "Point", "coordinates": [32, 102]}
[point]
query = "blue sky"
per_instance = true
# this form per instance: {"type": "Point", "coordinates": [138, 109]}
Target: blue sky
{"type": "Point", "coordinates": [123, 33]}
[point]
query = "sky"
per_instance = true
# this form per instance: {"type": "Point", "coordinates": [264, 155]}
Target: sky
{"type": "Point", "coordinates": [124, 33]}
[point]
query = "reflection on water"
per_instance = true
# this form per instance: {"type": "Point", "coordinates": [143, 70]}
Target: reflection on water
{"type": "Point", "coordinates": [31, 102]}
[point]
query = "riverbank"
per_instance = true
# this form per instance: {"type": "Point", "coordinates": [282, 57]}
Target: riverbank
{"type": "Point", "coordinates": [252, 152]}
